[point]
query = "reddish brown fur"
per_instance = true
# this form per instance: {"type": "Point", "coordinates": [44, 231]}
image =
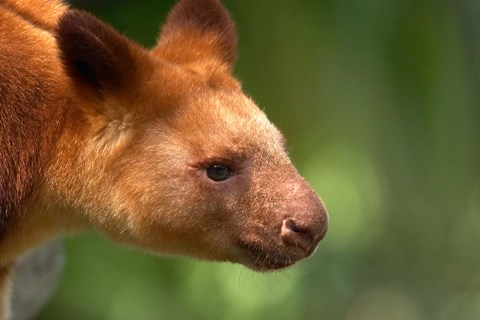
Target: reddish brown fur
{"type": "Point", "coordinates": [44, 16]}
{"type": "Point", "coordinates": [26, 135]}
{"type": "Point", "coordinates": [97, 56]}
{"type": "Point", "coordinates": [97, 132]}
{"type": "Point", "coordinates": [198, 24]}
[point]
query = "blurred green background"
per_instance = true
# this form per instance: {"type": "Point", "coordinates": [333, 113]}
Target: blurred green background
{"type": "Point", "coordinates": [380, 103]}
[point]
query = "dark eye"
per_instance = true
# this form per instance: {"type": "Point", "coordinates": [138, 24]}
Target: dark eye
{"type": "Point", "coordinates": [218, 172]}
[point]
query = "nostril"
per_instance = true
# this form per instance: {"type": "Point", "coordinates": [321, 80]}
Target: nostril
{"type": "Point", "coordinates": [294, 234]}
{"type": "Point", "coordinates": [290, 225]}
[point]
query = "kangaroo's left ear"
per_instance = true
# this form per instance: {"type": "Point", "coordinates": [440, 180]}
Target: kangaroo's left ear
{"type": "Point", "coordinates": [97, 57]}
{"type": "Point", "coordinates": [198, 32]}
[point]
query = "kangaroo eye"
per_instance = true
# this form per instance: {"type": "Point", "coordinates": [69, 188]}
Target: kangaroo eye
{"type": "Point", "coordinates": [218, 172]}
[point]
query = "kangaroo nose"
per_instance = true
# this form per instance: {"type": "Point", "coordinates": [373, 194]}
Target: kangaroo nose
{"type": "Point", "coordinates": [303, 237]}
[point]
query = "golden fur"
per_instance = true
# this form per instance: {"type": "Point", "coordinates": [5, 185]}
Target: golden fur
{"type": "Point", "coordinates": [97, 132]}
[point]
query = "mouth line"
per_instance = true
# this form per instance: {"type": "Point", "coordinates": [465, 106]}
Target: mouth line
{"type": "Point", "coordinates": [261, 259]}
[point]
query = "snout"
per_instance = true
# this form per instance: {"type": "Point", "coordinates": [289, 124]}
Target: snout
{"type": "Point", "coordinates": [295, 237]}
{"type": "Point", "coordinates": [286, 225]}
{"type": "Point", "coordinates": [298, 235]}
{"type": "Point", "coordinates": [302, 230]}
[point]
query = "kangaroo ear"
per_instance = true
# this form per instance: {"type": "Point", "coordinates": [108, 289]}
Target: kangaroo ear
{"type": "Point", "coordinates": [96, 55]}
{"type": "Point", "coordinates": [198, 31]}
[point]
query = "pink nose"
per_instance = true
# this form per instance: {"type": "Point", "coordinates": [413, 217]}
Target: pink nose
{"type": "Point", "coordinates": [305, 238]}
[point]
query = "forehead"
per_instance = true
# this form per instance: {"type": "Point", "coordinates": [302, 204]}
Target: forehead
{"type": "Point", "coordinates": [207, 113]}
{"type": "Point", "coordinates": [226, 110]}
{"type": "Point", "coordinates": [225, 119]}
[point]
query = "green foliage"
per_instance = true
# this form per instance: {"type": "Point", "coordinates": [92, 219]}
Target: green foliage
{"type": "Point", "coordinates": [379, 100]}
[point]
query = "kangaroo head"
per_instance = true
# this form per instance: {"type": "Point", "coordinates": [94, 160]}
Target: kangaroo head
{"type": "Point", "coordinates": [167, 153]}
